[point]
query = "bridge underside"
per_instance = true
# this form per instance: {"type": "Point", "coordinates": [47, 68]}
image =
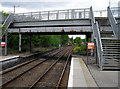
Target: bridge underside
{"type": "Point", "coordinates": [67, 29]}
{"type": "Point", "coordinates": [54, 33]}
{"type": "Point", "coordinates": [67, 25]}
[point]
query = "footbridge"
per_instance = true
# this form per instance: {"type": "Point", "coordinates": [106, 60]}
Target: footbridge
{"type": "Point", "coordinates": [103, 26]}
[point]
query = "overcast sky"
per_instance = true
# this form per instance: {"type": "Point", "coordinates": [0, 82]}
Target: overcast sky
{"type": "Point", "coordinates": [45, 5]}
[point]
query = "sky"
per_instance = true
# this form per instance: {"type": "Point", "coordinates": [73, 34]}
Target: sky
{"type": "Point", "coordinates": [46, 5]}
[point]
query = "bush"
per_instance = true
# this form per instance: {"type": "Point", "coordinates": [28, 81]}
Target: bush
{"type": "Point", "coordinates": [4, 13]}
{"type": "Point", "coordinates": [76, 49]}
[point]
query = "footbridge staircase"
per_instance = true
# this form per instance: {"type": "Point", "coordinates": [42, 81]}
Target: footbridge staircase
{"type": "Point", "coordinates": [108, 45]}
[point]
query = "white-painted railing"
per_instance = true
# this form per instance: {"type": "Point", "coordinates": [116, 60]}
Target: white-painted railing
{"type": "Point", "coordinates": [53, 15]}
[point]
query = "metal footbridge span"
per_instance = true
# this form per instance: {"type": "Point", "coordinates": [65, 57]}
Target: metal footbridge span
{"type": "Point", "coordinates": [102, 26]}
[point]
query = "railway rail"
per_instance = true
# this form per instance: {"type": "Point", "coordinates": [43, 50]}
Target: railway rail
{"type": "Point", "coordinates": [31, 64]}
{"type": "Point", "coordinates": [31, 73]}
{"type": "Point", "coordinates": [10, 63]}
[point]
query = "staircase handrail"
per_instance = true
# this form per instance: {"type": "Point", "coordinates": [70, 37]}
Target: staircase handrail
{"type": "Point", "coordinates": [97, 36]}
{"type": "Point", "coordinates": [113, 22]}
{"type": "Point", "coordinates": [7, 23]}
{"type": "Point", "coordinates": [92, 20]}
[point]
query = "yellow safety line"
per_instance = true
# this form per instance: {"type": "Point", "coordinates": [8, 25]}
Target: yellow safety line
{"type": "Point", "coordinates": [89, 79]}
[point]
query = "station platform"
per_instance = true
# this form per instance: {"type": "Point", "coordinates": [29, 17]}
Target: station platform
{"type": "Point", "coordinates": [79, 75]}
{"type": "Point", "coordinates": [15, 55]}
{"type": "Point", "coordinates": [104, 79]}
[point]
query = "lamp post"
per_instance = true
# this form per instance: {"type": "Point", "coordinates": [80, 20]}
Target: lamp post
{"type": "Point", "coordinates": [109, 2]}
{"type": "Point", "coordinates": [14, 8]}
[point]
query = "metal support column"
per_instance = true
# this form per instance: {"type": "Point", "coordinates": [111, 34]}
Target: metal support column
{"type": "Point", "coordinates": [57, 15]}
{"type": "Point", "coordinates": [119, 9]}
{"type": "Point", "coordinates": [87, 40]}
{"type": "Point", "coordinates": [72, 14]}
{"type": "Point", "coordinates": [119, 20]}
{"type": "Point", "coordinates": [118, 28]}
{"type": "Point", "coordinates": [84, 13]}
{"type": "Point", "coordinates": [48, 15]}
{"type": "Point", "coordinates": [0, 34]}
{"type": "Point", "coordinates": [40, 16]}
{"type": "Point", "coordinates": [59, 42]}
{"type": "Point", "coordinates": [19, 41]}
{"type": "Point", "coordinates": [0, 48]}
{"type": "Point", "coordinates": [0, 42]}
{"type": "Point", "coordinates": [92, 39]}
{"type": "Point", "coordinates": [88, 35]}
{"type": "Point", "coordinates": [30, 42]}
{"type": "Point", "coordinates": [6, 44]}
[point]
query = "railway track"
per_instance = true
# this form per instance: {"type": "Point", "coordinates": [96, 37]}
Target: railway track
{"type": "Point", "coordinates": [13, 61]}
{"type": "Point", "coordinates": [19, 70]}
{"type": "Point", "coordinates": [30, 74]}
{"type": "Point", "coordinates": [48, 55]}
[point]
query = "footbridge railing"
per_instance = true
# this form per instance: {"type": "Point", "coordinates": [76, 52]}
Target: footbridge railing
{"type": "Point", "coordinates": [113, 22]}
{"type": "Point", "coordinates": [103, 13]}
{"type": "Point", "coordinates": [53, 15]}
{"type": "Point", "coordinates": [97, 36]}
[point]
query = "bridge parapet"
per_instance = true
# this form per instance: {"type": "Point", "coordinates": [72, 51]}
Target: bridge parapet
{"type": "Point", "coordinates": [53, 15]}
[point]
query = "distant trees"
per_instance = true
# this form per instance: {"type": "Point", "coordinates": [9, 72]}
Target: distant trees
{"type": "Point", "coordinates": [4, 13]}
{"type": "Point", "coordinates": [64, 39]}
{"type": "Point", "coordinates": [37, 41]}
{"type": "Point", "coordinates": [79, 45]}
{"type": "Point", "coordinates": [45, 40]}
{"type": "Point", "coordinates": [78, 41]}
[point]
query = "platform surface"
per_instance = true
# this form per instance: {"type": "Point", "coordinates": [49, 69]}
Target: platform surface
{"type": "Point", "coordinates": [15, 55]}
{"type": "Point", "coordinates": [79, 74]}
{"type": "Point", "coordinates": [106, 78]}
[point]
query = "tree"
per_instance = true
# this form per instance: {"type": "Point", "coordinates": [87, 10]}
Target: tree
{"type": "Point", "coordinates": [64, 39]}
{"type": "Point", "coordinates": [78, 41]}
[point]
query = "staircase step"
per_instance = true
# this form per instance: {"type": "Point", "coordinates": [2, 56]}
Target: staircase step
{"type": "Point", "coordinates": [112, 57]}
{"type": "Point", "coordinates": [111, 54]}
{"type": "Point", "coordinates": [111, 45]}
{"type": "Point", "coordinates": [108, 35]}
{"type": "Point", "coordinates": [110, 61]}
{"type": "Point", "coordinates": [109, 66]}
{"type": "Point", "coordinates": [117, 56]}
{"type": "Point", "coordinates": [109, 38]}
{"type": "Point", "coordinates": [106, 32]}
{"type": "Point", "coordinates": [111, 48]}
{"type": "Point", "coordinates": [110, 41]}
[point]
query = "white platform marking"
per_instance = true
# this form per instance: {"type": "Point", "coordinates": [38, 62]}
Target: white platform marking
{"type": "Point", "coordinates": [76, 77]}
